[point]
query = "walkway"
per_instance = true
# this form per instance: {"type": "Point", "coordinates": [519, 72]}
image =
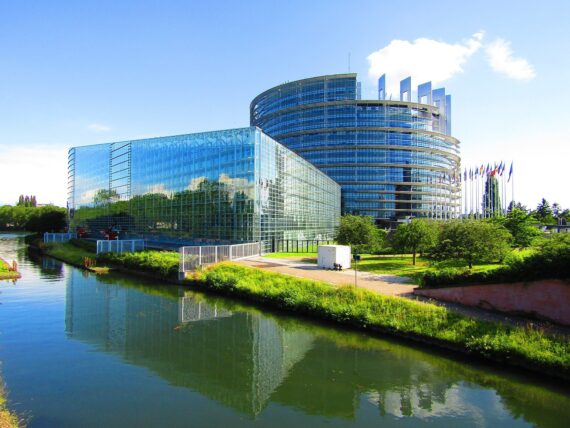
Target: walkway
{"type": "Point", "coordinates": [389, 285]}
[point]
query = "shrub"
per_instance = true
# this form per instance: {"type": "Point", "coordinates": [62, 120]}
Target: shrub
{"type": "Point", "coordinates": [550, 261]}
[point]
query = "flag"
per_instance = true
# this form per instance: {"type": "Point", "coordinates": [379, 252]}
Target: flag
{"type": "Point", "coordinates": [465, 175]}
{"type": "Point", "coordinates": [510, 172]}
{"type": "Point", "coordinates": [481, 169]}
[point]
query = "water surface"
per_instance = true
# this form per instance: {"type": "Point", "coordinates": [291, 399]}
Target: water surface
{"type": "Point", "coordinates": [83, 350]}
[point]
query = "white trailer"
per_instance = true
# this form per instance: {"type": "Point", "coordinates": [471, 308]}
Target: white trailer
{"type": "Point", "coordinates": [329, 255]}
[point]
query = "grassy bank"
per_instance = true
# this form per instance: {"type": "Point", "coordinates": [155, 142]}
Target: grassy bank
{"type": "Point", "coordinates": [529, 348]}
{"type": "Point", "coordinates": [7, 419]}
{"type": "Point", "coordinates": [524, 347]}
{"type": "Point", "coordinates": [6, 272]}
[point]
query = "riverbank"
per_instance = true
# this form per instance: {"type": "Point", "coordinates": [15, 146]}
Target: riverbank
{"type": "Point", "coordinates": [529, 348]}
{"type": "Point", "coordinates": [7, 418]}
{"type": "Point", "coordinates": [6, 271]}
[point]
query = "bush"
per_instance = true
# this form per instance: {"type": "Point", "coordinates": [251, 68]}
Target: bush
{"type": "Point", "coordinates": [551, 260]}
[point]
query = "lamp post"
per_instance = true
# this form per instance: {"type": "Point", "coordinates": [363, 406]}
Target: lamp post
{"type": "Point", "coordinates": [356, 258]}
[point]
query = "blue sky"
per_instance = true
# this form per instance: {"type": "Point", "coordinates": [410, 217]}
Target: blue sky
{"type": "Point", "coordinates": [76, 73]}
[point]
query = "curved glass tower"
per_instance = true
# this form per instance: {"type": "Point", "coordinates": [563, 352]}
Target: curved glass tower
{"type": "Point", "coordinates": [393, 159]}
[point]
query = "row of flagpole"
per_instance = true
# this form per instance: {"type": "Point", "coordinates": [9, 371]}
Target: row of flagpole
{"type": "Point", "coordinates": [482, 185]}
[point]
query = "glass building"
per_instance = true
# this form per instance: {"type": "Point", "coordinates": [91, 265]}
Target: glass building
{"type": "Point", "coordinates": [393, 159]}
{"type": "Point", "coordinates": [209, 188]}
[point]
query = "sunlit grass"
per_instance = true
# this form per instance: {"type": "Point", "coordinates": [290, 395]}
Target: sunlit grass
{"type": "Point", "coordinates": [398, 316]}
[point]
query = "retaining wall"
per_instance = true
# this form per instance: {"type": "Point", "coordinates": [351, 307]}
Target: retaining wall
{"type": "Point", "coordinates": [545, 299]}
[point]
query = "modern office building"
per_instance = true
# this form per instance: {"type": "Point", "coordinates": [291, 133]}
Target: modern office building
{"type": "Point", "coordinates": [216, 187]}
{"type": "Point", "coordinates": [394, 159]}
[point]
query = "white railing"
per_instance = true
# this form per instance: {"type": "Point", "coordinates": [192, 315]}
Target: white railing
{"type": "Point", "coordinates": [59, 237]}
{"type": "Point", "coordinates": [120, 246]}
{"type": "Point", "coordinates": [192, 257]}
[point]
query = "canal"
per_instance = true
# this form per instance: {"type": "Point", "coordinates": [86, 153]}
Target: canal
{"type": "Point", "coordinates": [80, 350]}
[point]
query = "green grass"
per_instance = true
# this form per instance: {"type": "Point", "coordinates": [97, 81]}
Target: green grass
{"type": "Point", "coordinates": [161, 263]}
{"type": "Point", "coordinates": [5, 272]}
{"type": "Point", "coordinates": [68, 252]}
{"type": "Point", "coordinates": [398, 265]}
{"type": "Point", "coordinates": [362, 308]}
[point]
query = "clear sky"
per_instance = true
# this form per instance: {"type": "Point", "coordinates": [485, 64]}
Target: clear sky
{"type": "Point", "coordinates": [77, 73]}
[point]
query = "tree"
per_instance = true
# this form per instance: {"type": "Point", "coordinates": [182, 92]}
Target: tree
{"type": "Point", "coordinates": [543, 212]}
{"type": "Point", "coordinates": [46, 219]}
{"type": "Point", "coordinates": [472, 241]}
{"type": "Point", "coordinates": [416, 236]}
{"type": "Point", "coordinates": [360, 233]}
{"type": "Point", "coordinates": [491, 198]}
{"type": "Point", "coordinates": [518, 205]}
{"type": "Point", "coordinates": [522, 227]}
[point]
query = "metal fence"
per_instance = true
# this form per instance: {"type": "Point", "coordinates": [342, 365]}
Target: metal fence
{"type": "Point", "coordinates": [59, 237]}
{"type": "Point", "coordinates": [192, 257]}
{"type": "Point", "coordinates": [120, 246]}
{"type": "Point", "coordinates": [299, 245]}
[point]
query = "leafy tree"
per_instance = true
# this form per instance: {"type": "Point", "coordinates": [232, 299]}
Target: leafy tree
{"type": "Point", "coordinates": [416, 236]}
{"type": "Point", "coordinates": [518, 205]}
{"type": "Point", "coordinates": [472, 241]}
{"type": "Point", "coordinates": [104, 196]}
{"type": "Point", "coordinates": [522, 227]}
{"type": "Point", "coordinates": [46, 219]}
{"type": "Point", "coordinates": [543, 212]}
{"type": "Point", "coordinates": [360, 233]}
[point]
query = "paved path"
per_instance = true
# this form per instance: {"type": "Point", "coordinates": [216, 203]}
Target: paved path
{"type": "Point", "coordinates": [389, 285]}
{"type": "Point", "coordinates": [384, 284]}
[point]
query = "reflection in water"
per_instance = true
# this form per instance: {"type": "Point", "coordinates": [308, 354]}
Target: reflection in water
{"type": "Point", "coordinates": [237, 359]}
{"type": "Point", "coordinates": [245, 359]}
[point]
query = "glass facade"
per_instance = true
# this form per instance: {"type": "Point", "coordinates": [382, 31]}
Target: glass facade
{"type": "Point", "coordinates": [393, 159]}
{"type": "Point", "coordinates": [216, 187]}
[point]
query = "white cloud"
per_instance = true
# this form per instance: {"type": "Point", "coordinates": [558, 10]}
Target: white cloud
{"type": "Point", "coordinates": [501, 59]}
{"type": "Point", "coordinates": [423, 59]}
{"type": "Point", "coordinates": [98, 127]}
{"type": "Point", "coordinates": [34, 170]}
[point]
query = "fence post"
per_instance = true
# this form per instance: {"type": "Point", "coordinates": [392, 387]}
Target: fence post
{"type": "Point", "coordinates": [216, 254]}
{"type": "Point", "coordinates": [200, 256]}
